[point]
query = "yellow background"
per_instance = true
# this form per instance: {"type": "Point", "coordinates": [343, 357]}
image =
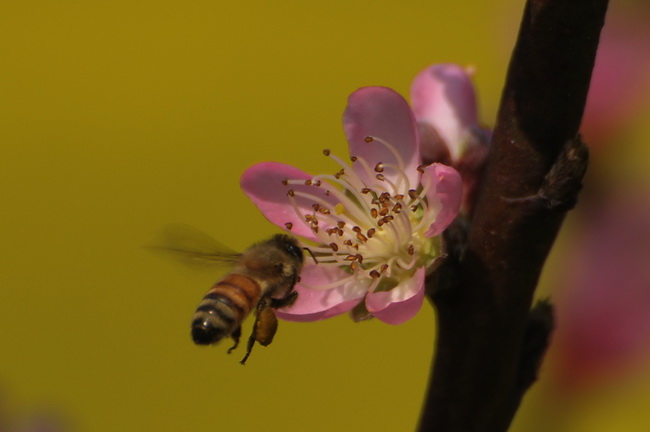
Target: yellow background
{"type": "Point", "coordinates": [118, 117]}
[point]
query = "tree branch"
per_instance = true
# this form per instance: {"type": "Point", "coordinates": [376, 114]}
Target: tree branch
{"type": "Point", "coordinates": [486, 353]}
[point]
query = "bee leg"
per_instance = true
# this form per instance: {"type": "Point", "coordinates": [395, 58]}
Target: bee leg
{"type": "Point", "coordinates": [236, 334]}
{"type": "Point", "coordinates": [266, 324]}
{"type": "Point", "coordinates": [249, 348]}
{"type": "Point", "coordinates": [287, 300]}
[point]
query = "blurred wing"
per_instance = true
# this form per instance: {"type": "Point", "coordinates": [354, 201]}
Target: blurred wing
{"type": "Point", "coordinates": [192, 247]}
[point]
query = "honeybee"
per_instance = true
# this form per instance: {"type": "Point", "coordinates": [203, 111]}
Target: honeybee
{"type": "Point", "coordinates": [262, 279]}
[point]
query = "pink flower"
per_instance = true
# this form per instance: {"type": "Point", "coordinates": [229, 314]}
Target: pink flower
{"type": "Point", "coordinates": [375, 224]}
{"type": "Point", "coordinates": [604, 314]}
{"type": "Point", "coordinates": [620, 88]}
{"type": "Point", "coordinates": [444, 103]}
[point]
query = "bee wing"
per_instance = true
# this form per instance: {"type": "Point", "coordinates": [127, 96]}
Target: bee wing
{"type": "Point", "coordinates": [192, 247]}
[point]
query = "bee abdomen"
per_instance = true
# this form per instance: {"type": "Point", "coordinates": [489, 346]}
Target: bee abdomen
{"type": "Point", "coordinates": [223, 308]}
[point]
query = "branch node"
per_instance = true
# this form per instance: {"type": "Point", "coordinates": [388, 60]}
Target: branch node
{"type": "Point", "coordinates": [559, 190]}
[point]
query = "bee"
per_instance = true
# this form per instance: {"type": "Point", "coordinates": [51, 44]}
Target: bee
{"type": "Point", "coordinates": [262, 279]}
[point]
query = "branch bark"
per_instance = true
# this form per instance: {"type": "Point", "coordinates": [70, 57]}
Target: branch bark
{"type": "Point", "coordinates": [489, 343]}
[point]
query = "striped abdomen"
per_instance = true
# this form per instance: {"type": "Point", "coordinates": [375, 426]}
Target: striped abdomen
{"type": "Point", "coordinates": [224, 307]}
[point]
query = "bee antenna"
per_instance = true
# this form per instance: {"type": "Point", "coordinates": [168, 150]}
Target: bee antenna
{"type": "Point", "coordinates": [311, 253]}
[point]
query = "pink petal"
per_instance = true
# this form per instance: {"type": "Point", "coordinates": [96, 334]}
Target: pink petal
{"type": "Point", "coordinates": [446, 192]}
{"type": "Point", "coordinates": [262, 183]}
{"type": "Point", "coordinates": [317, 304]}
{"type": "Point", "coordinates": [383, 113]}
{"type": "Point", "coordinates": [399, 304]}
{"type": "Point", "coordinates": [443, 96]}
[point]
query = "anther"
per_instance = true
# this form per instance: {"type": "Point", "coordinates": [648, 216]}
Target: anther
{"type": "Point", "coordinates": [397, 208]}
{"type": "Point", "coordinates": [290, 193]}
{"type": "Point", "coordinates": [420, 169]}
{"type": "Point", "coordinates": [413, 194]}
{"type": "Point", "coordinates": [285, 182]}
{"type": "Point", "coordinates": [366, 190]}
{"type": "Point", "coordinates": [340, 224]}
{"type": "Point", "coordinates": [362, 238]}
{"type": "Point", "coordinates": [334, 247]}
{"type": "Point", "coordinates": [383, 211]}
{"type": "Point", "coordinates": [317, 184]}
{"type": "Point", "coordinates": [374, 274]}
{"type": "Point", "coordinates": [288, 225]}
{"type": "Point", "coordinates": [356, 229]}
{"type": "Point", "coordinates": [379, 167]}
{"type": "Point", "coordinates": [371, 232]}
{"type": "Point", "coordinates": [353, 158]}
{"type": "Point", "coordinates": [411, 250]}
{"type": "Point", "coordinates": [399, 197]}
{"type": "Point", "coordinates": [315, 206]}
{"type": "Point", "coordinates": [380, 177]}
{"type": "Point", "coordinates": [326, 152]}
{"type": "Point", "coordinates": [368, 139]}
{"type": "Point", "coordinates": [374, 213]}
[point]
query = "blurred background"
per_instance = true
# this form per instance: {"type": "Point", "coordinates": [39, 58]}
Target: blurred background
{"type": "Point", "coordinates": [117, 118]}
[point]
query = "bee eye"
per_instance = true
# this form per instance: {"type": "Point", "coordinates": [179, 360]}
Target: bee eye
{"type": "Point", "coordinates": [294, 251]}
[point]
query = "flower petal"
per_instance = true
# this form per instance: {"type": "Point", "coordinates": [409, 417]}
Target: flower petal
{"type": "Point", "coordinates": [399, 304]}
{"type": "Point", "coordinates": [446, 193]}
{"type": "Point", "coordinates": [263, 184]}
{"type": "Point", "coordinates": [382, 113]}
{"type": "Point", "coordinates": [316, 304]}
{"type": "Point", "coordinates": [443, 96]}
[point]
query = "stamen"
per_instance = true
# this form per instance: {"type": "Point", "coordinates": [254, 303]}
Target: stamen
{"type": "Point", "coordinates": [288, 225]}
{"type": "Point", "coordinates": [357, 213]}
{"type": "Point", "coordinates": [393, 150]}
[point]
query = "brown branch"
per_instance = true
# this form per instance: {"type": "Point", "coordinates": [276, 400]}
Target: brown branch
{"type": "Point", "coordinates": [489, 344]}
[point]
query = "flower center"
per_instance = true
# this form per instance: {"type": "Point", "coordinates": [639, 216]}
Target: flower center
{"type": "Point", "coordinates": [369, 221]}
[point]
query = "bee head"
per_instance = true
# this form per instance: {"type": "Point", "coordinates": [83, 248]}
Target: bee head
{"type": "Point", "coordinates": [290, 246]}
